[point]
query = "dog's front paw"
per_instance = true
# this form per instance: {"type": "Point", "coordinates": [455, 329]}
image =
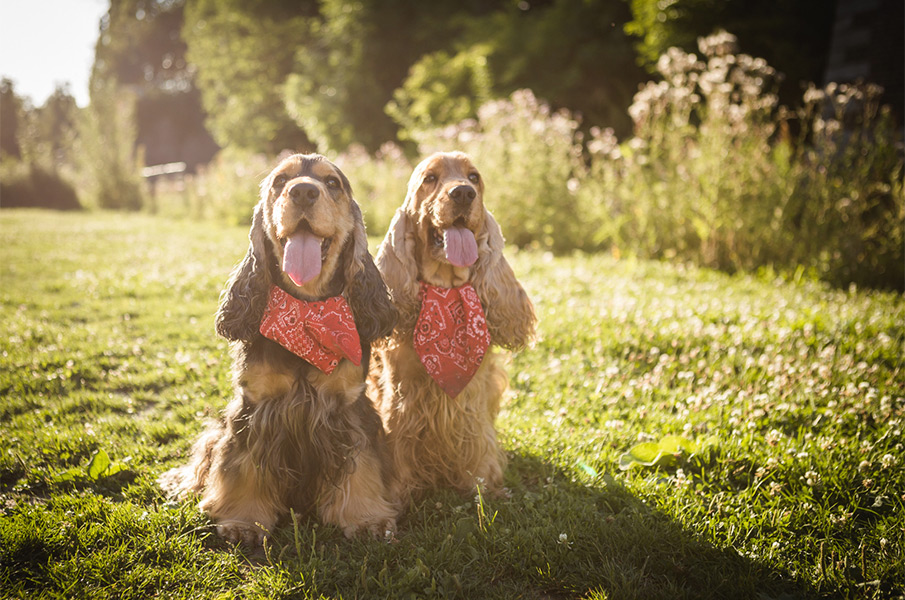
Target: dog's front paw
{"type": "Point", "coordinates": [240, 532]}
{"type": "Point", "coordinates": [384, 529]}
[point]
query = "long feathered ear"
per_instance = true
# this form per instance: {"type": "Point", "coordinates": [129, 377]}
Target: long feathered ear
{"type": "Point", "coordinates": [396, 262]}
{"type": "Point", "coordinates": [509, 312]}
{"type": "Point", "coordinates": [375, 315]}
{"type": "Point", "coordinates": [243, 301]}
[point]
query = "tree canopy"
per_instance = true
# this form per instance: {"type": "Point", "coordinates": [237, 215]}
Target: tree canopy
{"type": "Point", "coordinates": [325, 74]}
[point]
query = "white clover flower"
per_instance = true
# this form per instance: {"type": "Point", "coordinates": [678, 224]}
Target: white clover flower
{"type": "Point", "coordinates": [888, 460]}
{"type": "Point", "coordinates": [812, 478]}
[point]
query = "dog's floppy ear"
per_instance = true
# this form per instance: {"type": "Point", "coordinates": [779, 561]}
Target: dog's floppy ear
{"type": "Point", "coordinates": [509, 312]}
{"type": "Point", "coordinates": [243, 301]}
{"type": "Point", "coordinates": [375, 316]}
{"type": "Point", "coordinates": [396, 262]}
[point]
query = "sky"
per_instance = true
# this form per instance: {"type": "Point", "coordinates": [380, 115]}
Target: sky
{"type": "Point", "coordinates": [46, 42]}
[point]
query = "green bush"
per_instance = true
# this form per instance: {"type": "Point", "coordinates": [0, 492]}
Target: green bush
{"type": "Point", "coordinates": [848, 220]}
{"type": "Point", "coordinates": [698, 181]}
{"type": "Point", "coordinates": [441, 90]}
{"type": "Point", "coordinates": [30, 185]}
{"type": "Point", "coordinates": [714, 176]}
{"type": "Point", "coordinates": [108, 158]}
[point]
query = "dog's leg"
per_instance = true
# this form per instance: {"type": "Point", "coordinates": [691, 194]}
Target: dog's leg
{"type": "Point", "coordinates": [355, 498]}
{"type": "Point", "coordinates": [358, 502]}
{"type": "Point", "coordinates": [242, 494]}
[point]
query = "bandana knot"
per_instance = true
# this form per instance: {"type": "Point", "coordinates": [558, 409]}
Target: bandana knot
{"type": "Point", "coordinates": [323, 333]}
{"type": "Point", "coordinates": [451, 336]}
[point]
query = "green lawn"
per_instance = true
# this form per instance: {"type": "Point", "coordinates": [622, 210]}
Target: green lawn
{"type": "Point", "coordinates": [779, 407]}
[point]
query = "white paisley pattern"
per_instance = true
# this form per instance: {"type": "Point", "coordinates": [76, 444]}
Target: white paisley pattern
{"type": "Point", "coordinates": [323, 333]}
{"type": "Point", "coordinates": [451, 335]}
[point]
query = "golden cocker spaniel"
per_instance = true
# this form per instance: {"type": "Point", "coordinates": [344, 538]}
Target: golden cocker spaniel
{"type": "Point", "coordinates": [301, 310]}
{"type": "Point", "coordinates": [435, 381]}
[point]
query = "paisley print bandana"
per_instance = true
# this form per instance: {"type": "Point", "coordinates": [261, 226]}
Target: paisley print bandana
{"type": "Point", "coordinates": [451, 336]}
{"type": "Point", "coordinates": [323, 333]}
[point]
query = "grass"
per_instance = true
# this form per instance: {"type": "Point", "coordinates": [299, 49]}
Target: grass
{"type": "Point", "coordinates": [788, 398]}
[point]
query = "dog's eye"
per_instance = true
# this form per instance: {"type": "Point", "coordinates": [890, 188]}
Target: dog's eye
{"type": "Point", "coordinates": [430, 178]}
{"type": "Point", "coordinates": [332, 183]}
{"type": "Point", "coordinates": [474, 177]}
{"type": "Point", "coordinates": [279, 181]}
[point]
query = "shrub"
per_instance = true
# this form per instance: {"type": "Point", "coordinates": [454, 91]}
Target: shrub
{"type": "Point", "coordinates": [848, 219]}
{"type": "Point", "coordinates": [697, 182]}
{"type": "Point", "coordinates": [714, 176]}
{"type": "Point", "coordinates": [106, 151]}
{"type": "Point", "coordinates": [30, 185]}
{"type": "Point", "coordinates": [441, 90]}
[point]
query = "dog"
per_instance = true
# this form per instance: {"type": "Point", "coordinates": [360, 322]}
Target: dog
{"type": "Point", "coordinates": [435, 381]}
{"type": "Point", "coordinates": [300, 433]}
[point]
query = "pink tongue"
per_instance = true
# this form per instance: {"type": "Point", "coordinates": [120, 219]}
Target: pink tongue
{"type": "Point", "coordinates": [302, 257]}
{"type": "Point", "coordinates": [461, 247]}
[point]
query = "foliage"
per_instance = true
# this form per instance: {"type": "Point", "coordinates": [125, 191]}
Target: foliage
{"type": "Point", "coordinates": [712, 175]}
{"type": "Point", "coordinates": [140, 48]}
{"type": "Point", "coordinates": [109, 161]}
{"type": "Point", "coordinates": [798, 386]}
{"type": "Point", "coordinates": [355, 58]}
{"type": "Point", "coordinates": [572, 53]}
{"type": "Point", "coordinates": [225, 190]}
{"type": "Point", "coordinates": [49, 132]}
{"type": "Point", "coordinates": [379, 182]}
{"type": "Point", "coordinates": [331, 67]}
{"type": "Point", "coordinates": [792, 35]}
{"type": "Point", "coordinates": [441, 90]}
{"type": "Point", "coordinates": [37, 161]}
{"type": "Point", "coordinates": [10, 115]}
{"type": "Point", "coordinates": [243, 52]}
{"type": "Point", "coordinates": [329, 94]}
{"type": "Point", "coordinates": [33, 185]}
{"type": "Point", "coordinates": [847, 214]}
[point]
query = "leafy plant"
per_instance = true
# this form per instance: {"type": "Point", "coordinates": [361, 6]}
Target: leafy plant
{"type": "Point", "coordinates": [99, 467]}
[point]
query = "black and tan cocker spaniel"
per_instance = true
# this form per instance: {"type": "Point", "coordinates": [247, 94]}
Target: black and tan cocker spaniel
{"type": "Point", "coordinates": [436, 382]}
{"type": "Point", "coordinates": [301, 311]}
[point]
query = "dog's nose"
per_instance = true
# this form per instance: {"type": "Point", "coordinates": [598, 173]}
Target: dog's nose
{"type": "Point", "coordinates": [304, 194]}
{"type": "Point", "coordinates": [462, 194]}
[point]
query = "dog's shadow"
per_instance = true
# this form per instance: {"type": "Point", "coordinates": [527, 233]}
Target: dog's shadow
{"type": "Point", "coordinates": [605, 538]}
{"type": "Point", "coordinates": [551, 535]}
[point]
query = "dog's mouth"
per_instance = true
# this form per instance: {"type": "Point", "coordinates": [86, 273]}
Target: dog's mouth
{"type": "Point", "coordinates": [304, 254]}
{"type": "Point", "coordinates": [457, 242]}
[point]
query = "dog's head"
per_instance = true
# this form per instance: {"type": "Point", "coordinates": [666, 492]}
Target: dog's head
{"type": "Point", "coordinates": [445, 201]}
{"type": "Point", "coordinates": [443, 235]}
{"type": "Point", "coordinates": [309, 216]}
{"type": "Point", "coordinates": [308, 237]}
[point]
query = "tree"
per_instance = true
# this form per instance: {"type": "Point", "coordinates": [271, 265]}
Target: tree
{"type": "Point", "coordinates": [10, 115]}
{"type": "Point", "coordinates": [140, 47]}
{"type": "Point", "coordinates": [572, 53]}
{"type": "Point", "coordinates": [50, 131]}
{"type": "Point", "coordinates": [244, 50]}
{"type": "Point", "coordinates": [331, 67]}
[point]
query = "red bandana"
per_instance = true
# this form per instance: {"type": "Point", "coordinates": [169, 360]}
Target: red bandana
{"type": "Point", "coordinates": [323, 333]}
{"type": "Point", "coordinates": [451, 335]}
